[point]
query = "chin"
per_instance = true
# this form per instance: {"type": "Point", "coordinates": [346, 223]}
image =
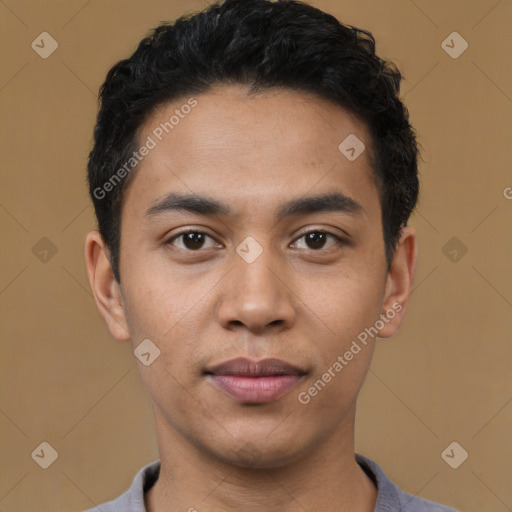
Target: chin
{"type": "Point", "coordinates": [254, 454]}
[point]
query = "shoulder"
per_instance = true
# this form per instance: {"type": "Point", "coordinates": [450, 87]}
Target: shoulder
{"type": "Point", "coordinates": [115, 505]}
{"type": "Point", "coordinates": [133, 499]}
{"type": "Point", "coordinates": [391, 498]}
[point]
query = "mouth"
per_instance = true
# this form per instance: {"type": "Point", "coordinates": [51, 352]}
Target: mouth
{"type": "Point", "coordinates": [249, 381]}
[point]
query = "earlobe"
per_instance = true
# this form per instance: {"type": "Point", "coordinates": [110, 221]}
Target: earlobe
{"type": "Point", "coordinates": [399, 282]}
{"type": "Point", "coordinates": [107, 293]}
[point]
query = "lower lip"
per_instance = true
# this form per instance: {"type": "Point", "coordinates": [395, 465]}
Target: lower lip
{"type": "Point", "coordinates": [255, 389]}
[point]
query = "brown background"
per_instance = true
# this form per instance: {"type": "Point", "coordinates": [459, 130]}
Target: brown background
{"type": "Point", "coordinates": [446, 375]}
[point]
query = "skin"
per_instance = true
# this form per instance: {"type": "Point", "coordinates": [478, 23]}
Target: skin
{"type": "Point", "coordinates": [301, 302]}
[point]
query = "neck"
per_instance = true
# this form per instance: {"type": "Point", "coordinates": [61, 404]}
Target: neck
{"type": "Point", "coordinates": [327, 478]}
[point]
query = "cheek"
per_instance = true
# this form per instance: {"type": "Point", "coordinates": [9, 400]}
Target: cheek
{"type": "Point", "coordinates": [155, 302]}
{"type": "Point", "coordinates": [343, 309]}
{"type": "Point", "coordinates": [166, 316]}
{"type": "Point", "coordinates": [344, 351]}
{"type": "Point", "coordinates": [168, 310]}
{"type": "Point", "coordinates": [344, 303]}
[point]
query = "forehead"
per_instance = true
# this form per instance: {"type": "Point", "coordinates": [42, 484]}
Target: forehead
{"type": "Point", "coordinates": [250, 149]}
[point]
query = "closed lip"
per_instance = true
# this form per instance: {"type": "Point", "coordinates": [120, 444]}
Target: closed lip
{"type": "Point", "coordinates": [255, 382]}
{"type": "Point", "coordinates": [245, 367]}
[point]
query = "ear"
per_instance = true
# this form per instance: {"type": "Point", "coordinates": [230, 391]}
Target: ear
{"type": "Point", "coordinates": [399, 283]}
{"type": "Point", "coordinates": [106, 290]}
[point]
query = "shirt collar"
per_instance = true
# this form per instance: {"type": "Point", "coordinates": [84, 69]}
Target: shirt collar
{"type": "Point", "coordinates": [389, 497]}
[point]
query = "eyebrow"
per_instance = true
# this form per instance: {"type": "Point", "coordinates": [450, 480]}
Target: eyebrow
{"type": "Point", "coordinates": [330, 202]}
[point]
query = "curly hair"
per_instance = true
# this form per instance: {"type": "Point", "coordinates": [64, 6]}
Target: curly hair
{"type": "Point", "coordinates": [264, 45]}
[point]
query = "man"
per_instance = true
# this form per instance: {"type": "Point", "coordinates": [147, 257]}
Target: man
{"type": "Point", "coordinates": [252, 174]}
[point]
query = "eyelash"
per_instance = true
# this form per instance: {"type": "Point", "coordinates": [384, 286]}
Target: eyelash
{"type": "Point", "coordinates": [339, 240]}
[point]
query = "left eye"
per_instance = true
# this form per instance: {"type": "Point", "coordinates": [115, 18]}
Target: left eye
{"type": "Point", "coordinates": [316, 239]}
{"type": "Point", "coordinates": [194, 240]}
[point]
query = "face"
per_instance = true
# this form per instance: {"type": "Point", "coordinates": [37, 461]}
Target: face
{"type": "Point", "coordinates": [278, 254]}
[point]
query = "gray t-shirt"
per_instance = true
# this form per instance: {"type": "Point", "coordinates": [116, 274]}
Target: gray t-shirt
{"type": "Point", "coordinates": [389, 498]}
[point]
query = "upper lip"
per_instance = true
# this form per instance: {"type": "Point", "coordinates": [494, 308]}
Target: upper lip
{"type": "Point", "coordinates": [248, 367]}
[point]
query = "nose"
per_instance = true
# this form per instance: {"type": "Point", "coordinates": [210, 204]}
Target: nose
{"type": "Point", "coordinates": [257, 296]}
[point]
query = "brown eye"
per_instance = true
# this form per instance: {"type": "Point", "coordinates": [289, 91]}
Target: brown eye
{"type": "Point", "coordinates": [316, 240]}
{"type": "Point", "coordinates": [190, 240]}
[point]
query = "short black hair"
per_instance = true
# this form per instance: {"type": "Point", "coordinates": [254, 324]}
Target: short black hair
{"type": "Point", "coordinates": [265, 45]}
